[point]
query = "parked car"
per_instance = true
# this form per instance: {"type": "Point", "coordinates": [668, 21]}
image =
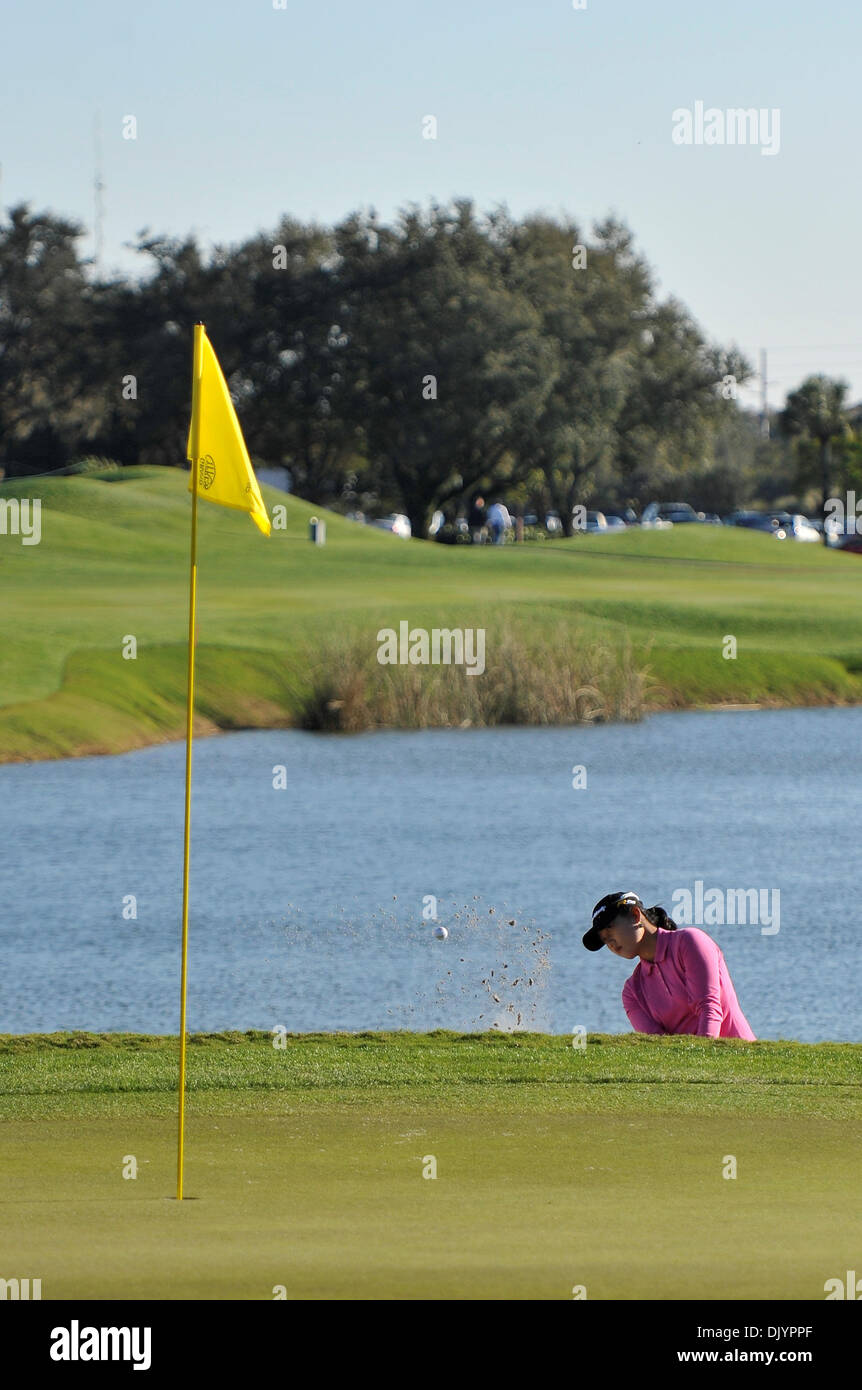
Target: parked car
{"type": "Point", "coordinates": [626, 515]}
{"type": "Point", "coordinates": [797, 527]}
{"type": "Point", "coordinates": [596, 521]}
{"type": "Point", "coordinates": [837, 532]}
{"type": "Point", "coordinates": [397, 523]}
{"type": "Point", "coordinates": [783, 525]}
{"type": "Point", "coordinates": [754, 521]}
{"type": "Point", "coordinates": [678, 513]}
{"type": "Point", "coordinates": [651, 520]}
{"type": "Point", "coordinates": [615, 523]}
{"type": "Point", "coordinates": [852, 544]}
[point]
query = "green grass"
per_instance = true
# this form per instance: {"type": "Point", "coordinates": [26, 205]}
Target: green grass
{"type": "Point", "coordinates": [556, 1166]}
{"type": "Point", "coordinates": [113, 561]}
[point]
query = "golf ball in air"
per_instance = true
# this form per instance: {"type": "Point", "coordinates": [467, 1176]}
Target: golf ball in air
{"type": "Point", "coordinates": [441, 933]}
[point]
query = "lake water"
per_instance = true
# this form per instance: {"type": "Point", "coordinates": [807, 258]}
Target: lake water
{"type": "Point", "coordinates": [307, 901]}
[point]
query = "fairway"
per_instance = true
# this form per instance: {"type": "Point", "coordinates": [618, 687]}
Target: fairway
{"type": "Point", "coordinates": [113, 563]}
{"type": "Point", "coordinates": [556, 1167]}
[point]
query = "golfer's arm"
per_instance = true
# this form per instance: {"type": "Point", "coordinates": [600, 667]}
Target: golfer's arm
{"type": "Point", "coordinates": [701, 968]}
{"type": "Point", "coordinates": [641, 1021]}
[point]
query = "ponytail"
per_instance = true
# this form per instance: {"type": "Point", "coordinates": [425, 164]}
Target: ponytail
{"type": "Point", "coordinates": [659, 918]}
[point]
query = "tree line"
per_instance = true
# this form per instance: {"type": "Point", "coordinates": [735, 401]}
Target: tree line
{"type": "Point", "coordinates": [400, 366]}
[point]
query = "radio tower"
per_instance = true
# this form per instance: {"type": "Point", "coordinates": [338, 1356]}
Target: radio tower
{"type": "Point", "coordinates": [98, 199]}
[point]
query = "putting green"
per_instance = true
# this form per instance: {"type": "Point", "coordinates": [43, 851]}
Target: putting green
{"type": "Point", "coordinates": [554, 1169]}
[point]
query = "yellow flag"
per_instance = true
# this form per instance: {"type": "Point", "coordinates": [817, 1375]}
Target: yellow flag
{"type": "Point", "coordinates": [215, 442]}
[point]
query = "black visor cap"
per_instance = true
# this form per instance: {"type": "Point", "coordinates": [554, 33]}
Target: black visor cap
{"type": "Point", "coordinates": [606, 911]}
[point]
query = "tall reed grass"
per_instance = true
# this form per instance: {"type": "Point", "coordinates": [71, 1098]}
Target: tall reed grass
{"type": "Point", "coordinates": [563, 677]}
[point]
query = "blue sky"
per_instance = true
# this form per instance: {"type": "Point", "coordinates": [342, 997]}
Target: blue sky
{"type": "Point", "coordinates": [245, 112]}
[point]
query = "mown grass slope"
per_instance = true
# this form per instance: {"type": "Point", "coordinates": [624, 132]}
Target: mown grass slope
{"type": "Point", "coordinates": [113, 563]}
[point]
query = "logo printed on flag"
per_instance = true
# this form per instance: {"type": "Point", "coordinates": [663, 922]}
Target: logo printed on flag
{"type": "Point", "coordinates": [206, 476]}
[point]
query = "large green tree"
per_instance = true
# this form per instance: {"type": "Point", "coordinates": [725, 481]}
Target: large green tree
{"type": "Point", "coordinates": [281, 311]}
{"type": "Point", "coordinates": [588, 297]}
{"type": "Point", "coordinates": [45, 309]}
{"type": "Point", "coordinates": [142, 333]}
{"type": "Point", "coordinates": [815, 412]}
{"type": "Point", "coordinates": [440, 354]}
{"type": "Point", "coordinates": [448, 364]}
{"type": "Point", "coordinates": [683, 389]}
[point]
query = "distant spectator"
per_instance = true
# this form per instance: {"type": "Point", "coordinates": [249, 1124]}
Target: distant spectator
{"type": "Point", "coordinates": [476, 520]}
{"type": "Point", "coordinates": [499, 522]}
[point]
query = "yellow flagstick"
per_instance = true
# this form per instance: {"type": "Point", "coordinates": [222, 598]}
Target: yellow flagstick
{"type": "Point", "coordinates": [222, 467]}
{"type": "Point", "coordinates": [195, 455]}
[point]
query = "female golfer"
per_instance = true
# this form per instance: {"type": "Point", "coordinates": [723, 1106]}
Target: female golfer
{"type": "Point", "coordinates": [680, 983]}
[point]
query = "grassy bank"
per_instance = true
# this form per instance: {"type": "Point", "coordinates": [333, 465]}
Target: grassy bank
{"type": "Point", "coordinates": [65, 1073]}
{"type": "Point", "coordinates": [555, 1166]}
{"type": "Point", "coordinates": [589, 628]}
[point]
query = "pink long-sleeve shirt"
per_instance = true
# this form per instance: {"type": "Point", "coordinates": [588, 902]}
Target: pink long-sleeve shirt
{"type": "Point", "coordinates": [686, 989]}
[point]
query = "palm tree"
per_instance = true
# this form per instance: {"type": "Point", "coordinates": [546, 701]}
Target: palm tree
{"type": "Point", "coordinates": [816, 410]}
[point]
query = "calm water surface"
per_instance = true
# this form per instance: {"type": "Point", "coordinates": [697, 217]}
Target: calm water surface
{"type": "Point", "coordinates": [307, 902]}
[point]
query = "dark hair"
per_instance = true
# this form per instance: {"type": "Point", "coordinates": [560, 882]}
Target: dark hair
{"type": "Point", "coordinates": [614, 905]}
{"type": "Point", "coordinates": [659, 918]}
